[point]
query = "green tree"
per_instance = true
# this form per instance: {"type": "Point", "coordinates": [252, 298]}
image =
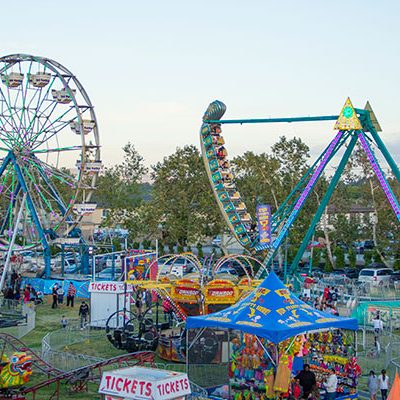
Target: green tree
{"type": "Point", "coordinates": [352, 258]}
{"type": "Point", "coordinates": [118, 188]}
{"type": "Point", "coordinates": [258, 180]}
{"type": "Point", "coordinates": [200, 252]}
{"type": "Point", "coordinates": [292, 156]}
{"type": "Point", "coordinates": [339, 254]}
{"type": "Point", "coordinates": [182, 201]}
{"type": "Point", "coordinates": [367, 257]}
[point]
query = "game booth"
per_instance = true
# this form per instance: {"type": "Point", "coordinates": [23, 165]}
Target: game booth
{"type": "Point", "coordinates": [273, 335]}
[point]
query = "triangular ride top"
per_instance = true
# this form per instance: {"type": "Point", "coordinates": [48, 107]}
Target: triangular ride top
{"type": "Point", "coordinates": [348, 120]}
{"type": "Point", "coordinates": [372, 117]}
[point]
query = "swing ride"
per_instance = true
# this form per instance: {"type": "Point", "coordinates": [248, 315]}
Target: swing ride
{"type": "Point", "coordinates": [47, 124]}
{"type": "Point", "coordinates": [353, 126]}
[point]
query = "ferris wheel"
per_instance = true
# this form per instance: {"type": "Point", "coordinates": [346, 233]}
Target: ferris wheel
{"type": "Point", "coordinates": [50, 149]}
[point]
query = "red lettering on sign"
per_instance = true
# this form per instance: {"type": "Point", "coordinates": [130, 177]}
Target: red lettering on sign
{"type": "Point", "coordinates": [141, 384]}
{"type": "Point", "coordinates": [118, 384]}
{"type": "Point", "coordinates": [147, 393]}
{"type": "Point", "coordinates": [134, 385]}
{"type": "Point", "coordinates": [126, 385]}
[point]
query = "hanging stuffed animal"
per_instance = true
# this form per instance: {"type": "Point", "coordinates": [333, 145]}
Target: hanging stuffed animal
{"type": "Point", "coordinates": [238, 396]}
{"type": "Point", "coordinates": [353, 371]}
{"type": "Point", "coordinates": [283, 372]}
{"type": "Point", "coordinates": [269, 383]}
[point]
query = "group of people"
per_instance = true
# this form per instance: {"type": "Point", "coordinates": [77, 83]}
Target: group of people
{"type": "Point", "coordinates": [58, 295]}
{"type": "Point", "coordinates": [306, 388]}
{"type": "Point", "coordinates": [83, 314]}
{"type": "Point", "coordinates": [12, 288]}
{"type": "Point", "coordinates": [305, 385]}
{"type": "Point", "coordinates": [376, 383]}
{"type": "Point", "coordinates": [13, 294]}
{"type": "Point", "coordinates": [328, 301]}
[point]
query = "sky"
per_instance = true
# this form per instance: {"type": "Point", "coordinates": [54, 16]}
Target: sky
{"type": "Point", "coordinates": [152, 67]}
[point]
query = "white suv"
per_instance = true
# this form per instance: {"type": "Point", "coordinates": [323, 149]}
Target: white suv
{"type": "Point", "coordinates": [375, 276]}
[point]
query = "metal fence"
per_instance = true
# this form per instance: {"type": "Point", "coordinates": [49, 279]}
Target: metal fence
{"type": "Point", "coordinates": [23, 315]}
{"type": "Point", "coordinates": [55, 346]}
{"type": "Point", "coordinates": [352, 289]}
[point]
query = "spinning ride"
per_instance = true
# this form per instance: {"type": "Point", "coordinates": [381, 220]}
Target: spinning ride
{"type": "Point", "coordinates": [134, 332]}
{"type": "Point", "coordinates": [353, 125]}
{"type": "Point", "coordinates": [47, 123]}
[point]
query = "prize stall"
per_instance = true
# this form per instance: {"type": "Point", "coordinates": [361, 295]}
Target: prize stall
{"type": "Point", "coordinates": [138, 383]}
{"type": "Point", "coordinates": [273, 334]}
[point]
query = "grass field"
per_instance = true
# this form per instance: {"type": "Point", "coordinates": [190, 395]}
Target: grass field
{"type": "Point", "coordinates": [48, 320]}
{"type": "Point", "coordinates": [96, 344]}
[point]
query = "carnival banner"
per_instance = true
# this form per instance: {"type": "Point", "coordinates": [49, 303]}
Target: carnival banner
{"type": "Point", "coordinates": [264, 223]}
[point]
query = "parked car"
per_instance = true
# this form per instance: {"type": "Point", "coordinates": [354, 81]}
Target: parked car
{"type": "Point", "coordinates": [70, 266]}
{"type": "Point", "coordinates": [71, 269]}
{"type": "Point", "coordinates": [351, 273]}
{"type": "Point", "coordinates": [395, 277]}
{"type": "Point", "coordinates": [227, 270]}
{"type": "Point", "coordinates": [180, 263]}
{"type": "Point", "coordinates": [106, 274]}
{"type": "Point", "coordinates": [217, 241]}
{"type": "Point", "coordinates": [375, 276]}
{"type": "Point", "coordinates": [241, 268]}
{"type": "Point", "coordinates": [107, 261]}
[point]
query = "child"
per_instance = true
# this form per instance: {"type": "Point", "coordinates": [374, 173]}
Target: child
{"type": "Point", "coordinates": [64, 322]}
{"type": "Point", "coordinates": [296, 389]}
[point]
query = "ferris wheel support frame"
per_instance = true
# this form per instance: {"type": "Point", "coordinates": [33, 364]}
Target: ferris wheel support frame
{"type": "Point", "coordinates": [10, 158]}
{"type": "Point", "coordinates": [10, 249]}
{"type": "Point", "coordinates": [34, 93]}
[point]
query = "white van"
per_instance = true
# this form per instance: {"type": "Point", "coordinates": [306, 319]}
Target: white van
{"type": "Point", "coordinates": [375, 276]}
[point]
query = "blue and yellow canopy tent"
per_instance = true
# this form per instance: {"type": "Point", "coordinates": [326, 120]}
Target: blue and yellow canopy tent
{"type": "Point", "coordinates": [272, 312]}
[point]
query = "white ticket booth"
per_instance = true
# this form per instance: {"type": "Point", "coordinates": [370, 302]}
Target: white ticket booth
{"type": "Point", "coordinates": [107, 298]}
{"type": "Point", "coordinates": [139, 383]}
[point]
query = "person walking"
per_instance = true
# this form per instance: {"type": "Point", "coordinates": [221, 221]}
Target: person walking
{"type": "Point", "coordinates": [331, 385]}
{"type": "Point", "coordinates": [138, 303]}
{"type": "Point", "coordinates": [71, 294]}
{"type": "Point", "coordinates": [9, 296]}
{"type": "Point", "coordinates": [378, 325]}
{"type": "Point", "coordinates": [84, 314]}
{"type": "Point", "coordinates": [373, 385]}
{"type": "Point", "coordinates": [149, 301]}
{"type": "Point", "coordinates": [383, 384]}
{"type": "Point", "coordinates": [55, 296]}
{"type": "Point", "coordinates": [167, 309]}
{"type": "Point", "coordinates": [60, 294]}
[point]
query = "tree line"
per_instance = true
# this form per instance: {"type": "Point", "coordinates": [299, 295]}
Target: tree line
{"type": "Point", "coordinates": [178, 208]}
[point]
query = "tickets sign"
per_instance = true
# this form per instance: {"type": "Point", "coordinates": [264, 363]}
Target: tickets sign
{"type": "Point", "coordinates": [108, 287]}
{"type": "Point", "coordinates": [139, 383]}
{"type": "Point", "coordinates": [264, 223]}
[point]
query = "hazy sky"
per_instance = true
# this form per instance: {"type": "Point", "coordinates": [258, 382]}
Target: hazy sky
{"type": "Point", "coordinates": [152, 67]}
